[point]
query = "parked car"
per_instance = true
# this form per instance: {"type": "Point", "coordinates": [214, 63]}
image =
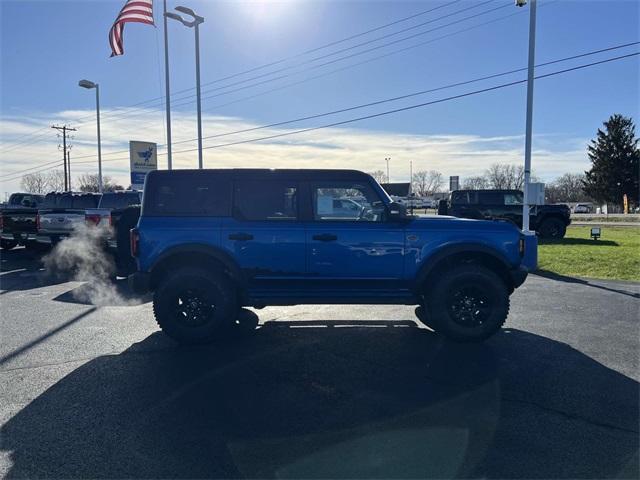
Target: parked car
{"type": "Point", "coordinates": [18, 220]}
{"type": "Point", "coordinates": [548, 221]}
{"type": "Point", "coordinates": [61, 213]}
{"type": "Point", "coordinates": [209, 242]}
{"type": "Point", "coordinates": [583, 208]}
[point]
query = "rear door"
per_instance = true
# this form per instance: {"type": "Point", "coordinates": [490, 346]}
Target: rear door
{"type": "Point", "coordinates": [264, 233]}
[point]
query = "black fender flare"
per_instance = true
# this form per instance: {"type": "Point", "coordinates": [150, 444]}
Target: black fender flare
{"type": "Point", "coordinates": [235, 272]}
{"type": "Point", "coordinates": [430, 263]}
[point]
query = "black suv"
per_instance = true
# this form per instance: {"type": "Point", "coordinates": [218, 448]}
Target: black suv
{"type": "Point", "coordinates": [548, 221]}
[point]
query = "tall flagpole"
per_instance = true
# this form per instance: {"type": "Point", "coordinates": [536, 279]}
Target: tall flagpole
{"type": "Point", "coordinates": [167, 89]}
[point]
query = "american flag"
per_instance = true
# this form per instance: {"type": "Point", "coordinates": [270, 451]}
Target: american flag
{"type": "Point", "coordinates": [140, 11]}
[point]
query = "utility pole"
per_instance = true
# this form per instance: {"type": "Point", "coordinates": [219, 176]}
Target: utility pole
{"type": "Point", "coordinates": [529, 114]}
{"type": "Point", "coordinates": [388, 159]}
{"type": "Point", "coordinates": [167, 99]}
{"type": "Point", "coordinates": [64, 129]}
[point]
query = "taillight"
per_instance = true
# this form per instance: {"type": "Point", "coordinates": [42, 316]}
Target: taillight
{"type": "Point", "coordinates": [38, 221]}
{"type": "Point", "coordinates": [92, 218]}
{"type": "Point", "coordinates": [134, 238]}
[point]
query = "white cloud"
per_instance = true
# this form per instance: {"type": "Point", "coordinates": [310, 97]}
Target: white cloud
{"type": "Point", "coordinates": [361, 149]}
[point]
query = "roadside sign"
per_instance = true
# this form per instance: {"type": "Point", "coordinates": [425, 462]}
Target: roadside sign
{"type": "Point", "coordinates": [143, 158]}
{"type": "Point", "coordinates": [454, 183]}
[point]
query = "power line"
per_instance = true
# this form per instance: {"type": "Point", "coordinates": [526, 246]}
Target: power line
{"type": "Point", "coordinates": [143, 110]}
{"type": "Point", "coordinates": [36, 171]}
{"type": "Point", "coordinates": [409, 95]}
{"type": "Point", "coordinates": [401, 97]}
{"type": "Point", "coordinates": [410, 107]}
{"type": "Point", "coordinates": [277, 62]}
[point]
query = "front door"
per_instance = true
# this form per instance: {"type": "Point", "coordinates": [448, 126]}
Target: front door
{"type": "Point", "coordinates": [349, 236]}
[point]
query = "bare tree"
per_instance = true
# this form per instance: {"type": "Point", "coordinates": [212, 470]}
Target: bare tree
{"type": "Point", "coordinates": [504, 176]}
{"type": "Point", "coordinates": [426, 183]}
{"type": "Point", "coordinates": [55, 181]}
{"type": "Point", "coordinates": [88, 182]}
{"type": "Point", "coordinates": [567, 188]}
{"type": "Point", "coordinates": [379, 176]}
{"type": "Point", "coordinates": [475, 183]}
{"type": "Point", "coordinates": [34, 182]}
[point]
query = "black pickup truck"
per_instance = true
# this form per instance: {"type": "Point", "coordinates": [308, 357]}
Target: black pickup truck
{"type": "Point", "coordinates": [18, 220]}
{"type": "Point", "coordinates": [548, 221]}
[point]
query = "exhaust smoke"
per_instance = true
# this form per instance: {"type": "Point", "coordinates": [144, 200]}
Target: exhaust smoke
{"type": "Point", "coordinates": [82, 256]}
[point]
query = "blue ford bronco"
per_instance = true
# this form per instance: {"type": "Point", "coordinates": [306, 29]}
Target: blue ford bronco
{"type": "Point", "coordinates": [209, 242]}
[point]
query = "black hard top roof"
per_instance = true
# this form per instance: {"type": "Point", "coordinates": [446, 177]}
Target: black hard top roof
{"type": "Point", "coordinates": [312, 173]}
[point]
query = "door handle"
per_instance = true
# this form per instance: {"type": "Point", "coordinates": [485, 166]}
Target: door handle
{"type": "Point", "coordinates": [325, 237]}
{"type": "Point", "coordinates": [240, 236]}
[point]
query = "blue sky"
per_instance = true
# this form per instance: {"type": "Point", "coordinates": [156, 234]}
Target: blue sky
{"type": "Point", "coordinates": [47, 46]}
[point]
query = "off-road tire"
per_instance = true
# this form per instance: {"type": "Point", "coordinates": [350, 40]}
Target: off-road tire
{"type": "Point", "coordinates": [189, 290]}
{"type": "Point", "coordinates": [8, 244]}
{"type": "Point", "coordinates": [552, 228]}
{"type": "Point", "coordinates": [468, 303]}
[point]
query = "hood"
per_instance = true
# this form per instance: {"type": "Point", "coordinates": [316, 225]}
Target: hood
{"type": "Point", "coordinates": [444, 222]}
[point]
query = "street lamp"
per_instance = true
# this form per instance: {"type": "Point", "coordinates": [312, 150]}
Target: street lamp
{"type": "Point", "coordinates": [89, 85]}
{"type": "Point", "coordinates": [388, 159]}
{"type": "Point", "coordinates": [197, 20]}
{"type": "Point", "coordinates": [529, 125]}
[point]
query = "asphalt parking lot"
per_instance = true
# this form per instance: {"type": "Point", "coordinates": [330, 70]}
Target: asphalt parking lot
{"type": "Point", "coordinates": [317, 391]}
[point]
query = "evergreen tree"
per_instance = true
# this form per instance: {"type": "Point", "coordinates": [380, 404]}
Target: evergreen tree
{"type": "Point", "coordinates": [615, 159]}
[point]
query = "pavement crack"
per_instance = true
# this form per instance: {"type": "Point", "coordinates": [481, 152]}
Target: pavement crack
{"type": "Point", "coordinates": [571, 416]}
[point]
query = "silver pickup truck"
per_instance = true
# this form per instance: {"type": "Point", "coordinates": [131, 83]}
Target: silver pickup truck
{"type": "Point", "coordinates": [60, 213]}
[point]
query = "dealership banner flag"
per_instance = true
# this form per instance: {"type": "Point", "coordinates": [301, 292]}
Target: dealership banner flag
{"type": "Point", "coordinates": [136, 11]}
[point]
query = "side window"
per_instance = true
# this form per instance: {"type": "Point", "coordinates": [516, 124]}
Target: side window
{"type": "Point", "coordinates": [192, 195]}
{"type": "Point", "coordinates": [491, 198]}
{"type": "Point", "coordinates": [256, 200]}
{"type": "Point", "coordinates": [346, 201]}
{"type": "Point", "coordinates": [464, 198]}
{"type": "Point", "coordinates": [513, 198]}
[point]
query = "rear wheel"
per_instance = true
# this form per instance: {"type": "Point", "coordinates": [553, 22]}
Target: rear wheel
{"type": "Point", "coordinates": [193, 305]}
{"type": "Point", "coordinates": [469, 303]}
{"type": "Point", "coordinates": [552, 228]}
{"type": "Point", "coordinates": [8, 244]}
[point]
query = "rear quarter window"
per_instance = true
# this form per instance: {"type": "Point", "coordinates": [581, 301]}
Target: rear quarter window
{"type": "Point", "coordinates": [194, 195]}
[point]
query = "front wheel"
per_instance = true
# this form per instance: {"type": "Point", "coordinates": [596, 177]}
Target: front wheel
{"type": "Point", "coordinates": [193, 305]}
{"type": "Point", "coordinates": [469, 303]}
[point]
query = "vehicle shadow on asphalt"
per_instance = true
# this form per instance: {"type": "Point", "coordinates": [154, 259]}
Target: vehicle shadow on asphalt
{"type": "Point", "coordinates": [582, 281]}
{"type": "Point", "coordinates": [333, 400]}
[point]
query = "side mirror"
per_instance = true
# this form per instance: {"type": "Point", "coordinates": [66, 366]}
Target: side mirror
{"type": "Point", "coordinates": [396, 211]}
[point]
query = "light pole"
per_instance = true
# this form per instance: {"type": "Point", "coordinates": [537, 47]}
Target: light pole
{"type": "Point", "coordinates": [529, 125]}
{"type": "Point", "coordinates": [197, 20]}
{"type": "Point", "coordinates": [388, 159]}
{"type": "Point", "coordinates": [88, 84]}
